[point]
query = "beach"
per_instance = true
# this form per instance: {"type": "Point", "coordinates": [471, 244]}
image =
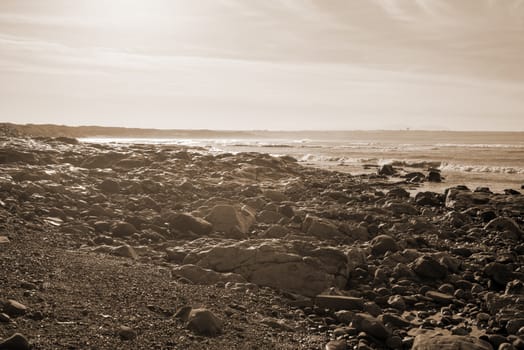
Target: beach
{"type": "Point", "coordinates": [121, 245]}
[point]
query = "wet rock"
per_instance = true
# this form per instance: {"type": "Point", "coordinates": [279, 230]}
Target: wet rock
{"type": "Point", "coordinates": [387, 169]}
{"type": "Point", "coordinates": [427, 267]}
{"type": "Point", "coordinates": [199, 275]}
{"type": "Point", "coordinates": [434, 176]}
{"type": "Point", "coordinates": [204, 322]}
{"type": "Point", "coordinates": [186, 222]}
{"type": "Point", "coordinates": [382, 244]}
{"type": "Point", "coordinates": [231, 219]}
{"type": "Point", "coordinates": [437, 341]}
{"type": "Point", "coordinates": [15, 342]}
{"type": "Point", "coordinates": [372, 326]}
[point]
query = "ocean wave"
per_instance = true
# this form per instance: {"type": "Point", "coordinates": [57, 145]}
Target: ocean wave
{"type": "Point", "coordinates": [480, 145]}
{"type": "Point", "coordinates": [481, 168]}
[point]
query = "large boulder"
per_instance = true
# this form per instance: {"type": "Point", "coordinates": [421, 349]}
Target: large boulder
{"type": "Point", "coordinates": [186, 222]}
{"type": "Point", "coordinates": [231, 219]}
{"type": "Point", "coordinates": [277, 264]}
{"type": "Point", "coordinates": [437, 341]}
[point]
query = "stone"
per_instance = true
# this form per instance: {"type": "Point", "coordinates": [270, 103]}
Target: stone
{"type": "Point", "coordinates": [437, 341]}
{"type": "Point", "coordinates": [439, 297]}
{"type": "Point", "coordinates": [434, 176]}
{"type": "Point", "coordinates": [336, 345]}
{"type": "Point", "coordinates": [123, 229]}
{"type": "Point", "coordinates": [397, 302]}
{"type": "Point", "coordinates": [401, 208]}
{"type": "Point", "coordinates": [318, 227]}
{"type": "Point", "coordinates": [15, 342]}
{"type": "Point", "coordinates": [231, 219]}
{"type": "Point", "coordinates": [109, 186]}
{"type": "Point", "coordinates": [4, 239]}
{"type": "Point", "coordinates": [387, 169]}
{"type": "Point", "coordinates": [126, 333]}
{"type": "Point", "coordinates": [427, 267]}
{"type": "Point", "coordinates": [513, 325]}
{"type": "Point", "coordinates": [13, 308]}
{"type": "Point", "coordinates": [499, 273]}
{"type": "Point", "coordinates": [199, 275]}
{"type": "Point", "coordinates": [504, 224]}
{"type": "Point", "coordinates": [275, 196]}
{"type": "Point", "coordinates": [125, 251]}
{"type": "Point", "coordinates": [372, 326]}
{"type": "Point", "coordinates": [382, 244]}
{"type": "Point", "coordinates": [429, 199]}
{"type": "Point", "coordinates": [339, 302]}
{"type": "Point", "coordinates": [204, 322]}
{"type": "Point", "coordinates": [184, 222]}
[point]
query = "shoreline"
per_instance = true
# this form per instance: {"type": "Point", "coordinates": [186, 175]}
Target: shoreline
{"type": "Point", "coordinates": [282, 255]}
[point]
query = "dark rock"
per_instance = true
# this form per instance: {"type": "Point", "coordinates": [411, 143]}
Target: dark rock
{"type": "Point", "coordinates": [427, 267]}
{"type": "Point", "coordinates": [339, 302]}
{"type": "Point", "coordinates": [499, 273]}
{"type": "Point", "coordinates": [15, 342]}
{"type": "Point", "coordinates": [126, 333]}
{"type": "Point", "coordinates": [109, 186]}
{"type": "Point", "coordinates": [382, 244]}
{"type": "Point", "coordinates": [434, 176]}
{"type": "Point", "coordinates": [204, 322]}
{"type": "Point", "coordinates": [13, 308]}
{"type": "Point", "coordinates": [398, 192]}
{"type": "Point", "coordinates": [370, 325]}
{"type": "Point", "coordinates": [386, 169]}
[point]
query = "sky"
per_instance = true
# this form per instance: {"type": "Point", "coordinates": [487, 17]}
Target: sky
{"type": "Point", "coordinates": [277, 65]}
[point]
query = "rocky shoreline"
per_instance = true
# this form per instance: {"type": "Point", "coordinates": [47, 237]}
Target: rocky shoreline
{"type": "Point", "coordinates": [166, 247]}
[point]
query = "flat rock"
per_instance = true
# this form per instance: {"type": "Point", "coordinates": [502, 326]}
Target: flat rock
{"type": "Point", "coordinates": [13, 308]}
{"type": "Point", "coordinates": [437, 341]}
{"type": "Point", "coordinates": [441, 298]}
{"type": "Point", "coordinates": [339, 302]}
{"type": "Point", "coordinates": [199, 275]}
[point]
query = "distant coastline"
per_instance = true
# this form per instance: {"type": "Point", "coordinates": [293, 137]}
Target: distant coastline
{"type": "Point", "coordinates": [53, 130]}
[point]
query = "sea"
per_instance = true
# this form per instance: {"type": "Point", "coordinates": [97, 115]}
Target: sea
{"type": "Point", "coordinates": [475, 159]}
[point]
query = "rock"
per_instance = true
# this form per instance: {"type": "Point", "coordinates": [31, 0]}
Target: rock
{"type": "Point", "coordinates": [499, 273]}
{"type": "Point", "coordinates": [15, 342]}
{"type": "Point", "coordinates": [123, 229]}
{"type": "Point", "coordinates": [339, 302]}
{"type": "Point", "coordinates": [199, 275]}
{"type": "Point", "coordinates": [515, 287]}
{"type": "Point", "coordinates": [268, 217]}
{"type": "Point", "coordinates": [231, 219]}
{"type": "Point", "coordinates": [13, 308]}
{"type": "Point", "coordinates": [434, 176]}
{"type": "Point", "coordinates": [184, 222]}
{"type": "Point", "coordinates": [427, 267]}
{"type": "Point", "coordinates": [336, 345]}
{"type": "Point", "coordinates": [513, 325]}
{"type": "Point", "coordinates": [382, 244]}
{"type": "Point", "coordinates": [275, 196]}
{"type": "Point", "coordinates": [398, 192]}
{"type": "Point", "coordinates": [125, 251]}
{"type": "Point", "coordinates": [204, 322]}
{"type": "Point", "coordinates": [4, 239]}
{"type": "Point", "coordinates": [109, 186]}
{"type": "Point", "coordinates": [437, 341]}
{"type": "Point", "coordinates": [441, 298]}
{"type": "Point", "coordinates": [318, 227]}
{"type": "Point", "coordinates": [386, 169]}
{"type": "Point", "coordinates": [401, 208]}
{"type": "Point", "coordinates": [397, 302]}
{"type": "Point", "coordinates": [275, 231]}
{"type": "Point", "coordinates": [5, 318]}
{"type": "Point", "coordinates": [372, 326]}
{"type": "Point", "coordinates": [428, 199]}
{"type": "Point", "coordinates": [126, 333]}
{"type": "Point", "coordinates": [504, 224]}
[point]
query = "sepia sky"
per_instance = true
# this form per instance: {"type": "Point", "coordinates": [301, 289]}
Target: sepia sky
{"type": "Point", "coordinates": [247, 64]}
